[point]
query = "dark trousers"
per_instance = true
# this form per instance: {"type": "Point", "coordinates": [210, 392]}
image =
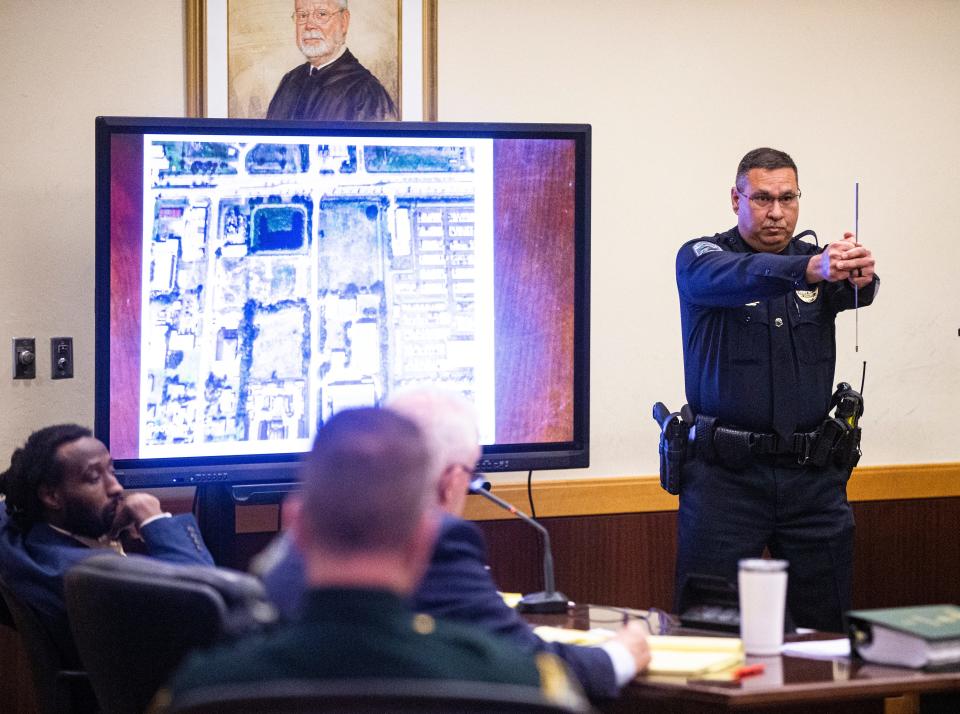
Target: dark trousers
{"type": "Point", "coordinates": [800, 514]}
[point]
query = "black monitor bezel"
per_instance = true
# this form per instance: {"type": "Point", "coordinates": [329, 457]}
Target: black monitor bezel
{"type": "Point", "coordinates": [283, 467]}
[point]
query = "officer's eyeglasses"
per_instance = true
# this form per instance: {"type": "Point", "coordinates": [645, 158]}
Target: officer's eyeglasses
{"type": "Point", "coordinates": [321, 17]}
{"type": "Point", "coordinates": [765, 200]}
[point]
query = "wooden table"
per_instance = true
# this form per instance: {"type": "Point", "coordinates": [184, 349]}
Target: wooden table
{"type": "Point", "coordinates": [788, 685]}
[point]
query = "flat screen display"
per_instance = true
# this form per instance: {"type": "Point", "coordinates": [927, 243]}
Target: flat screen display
{"type": "Point", "coordinates": [255, 277]}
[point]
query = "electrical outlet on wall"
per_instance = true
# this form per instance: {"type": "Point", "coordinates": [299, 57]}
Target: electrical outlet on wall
{"type": "Point", "coordinates": [24, 358]}
{"type": "Point", "coordinates": [61, 357]}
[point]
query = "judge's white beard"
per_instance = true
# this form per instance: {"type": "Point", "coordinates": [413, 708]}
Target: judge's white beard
{"type": "Point", "coordinates": [323, 48]}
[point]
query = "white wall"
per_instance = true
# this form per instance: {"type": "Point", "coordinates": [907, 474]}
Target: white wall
{"type": "Point", "coordinates": [64, 64]}
{"type": "Point", "coordinates": [676, 93]}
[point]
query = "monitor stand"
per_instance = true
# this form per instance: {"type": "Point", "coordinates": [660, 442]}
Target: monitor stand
{"type": "Point", "coordinates": [217, 516]}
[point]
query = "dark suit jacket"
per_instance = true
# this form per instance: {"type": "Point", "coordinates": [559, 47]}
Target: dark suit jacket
{"type": "Point", "coordinates": [358, 633]}
{"type": "Point", "coordinates": [457, 586]}
{"type": "Point", "coordinates": [33, 565]}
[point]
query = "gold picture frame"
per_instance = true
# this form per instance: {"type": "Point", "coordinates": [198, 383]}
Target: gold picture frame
{"type": "Point", "coordinates": [416, 25]}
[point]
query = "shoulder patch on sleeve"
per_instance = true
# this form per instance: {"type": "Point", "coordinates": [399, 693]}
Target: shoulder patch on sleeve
{"type": "Point", "coordinates": [556, 685]}
{"type": "Point", "coordinates": [703, 246]}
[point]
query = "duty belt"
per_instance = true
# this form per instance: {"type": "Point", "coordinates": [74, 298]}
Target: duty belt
{"type": "Point", "coordinates": [684, 436]}
{"type": "Point", "coordinates": [736, 448]}
{"type": "Point", "coordinates": [735, 444]}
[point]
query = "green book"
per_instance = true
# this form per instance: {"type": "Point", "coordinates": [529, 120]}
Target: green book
{"type": "Point", "coordinates": [923, 636]}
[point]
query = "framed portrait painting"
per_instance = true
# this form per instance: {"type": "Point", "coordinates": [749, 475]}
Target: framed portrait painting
{"type": "Point", "coordinates": [311, 59]}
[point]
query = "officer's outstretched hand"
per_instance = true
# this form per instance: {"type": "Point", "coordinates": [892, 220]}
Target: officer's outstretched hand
{"type": "Point", "coordinates": [843, 260]}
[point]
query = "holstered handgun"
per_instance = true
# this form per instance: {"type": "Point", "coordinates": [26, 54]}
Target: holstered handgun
{"type": "Point", "coordinates": [674, 432]}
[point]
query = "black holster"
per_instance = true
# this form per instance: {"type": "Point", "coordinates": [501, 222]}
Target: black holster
{"type": "Point", "coordinates": [829, 436]}
{"type": "Point", "coordinates": [847, 453]}
{"type": "Point", "coordinates": [674, 433]}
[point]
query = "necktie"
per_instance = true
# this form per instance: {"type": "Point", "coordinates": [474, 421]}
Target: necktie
{"type": "Point", "coordinates": [783, 371]}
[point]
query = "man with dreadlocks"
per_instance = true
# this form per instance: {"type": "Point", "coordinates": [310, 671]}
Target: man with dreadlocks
{"type": "Point", "coordinates": [64, 504]}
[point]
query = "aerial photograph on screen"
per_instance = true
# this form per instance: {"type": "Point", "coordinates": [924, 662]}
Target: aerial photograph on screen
{"type": "Point", "coordinates": [287, 278]}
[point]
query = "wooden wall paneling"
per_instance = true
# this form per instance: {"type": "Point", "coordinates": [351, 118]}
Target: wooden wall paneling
{"type": "Point", "coordinates": [625, 559]}
{"type": "Point", "coordinates": [907, 552]}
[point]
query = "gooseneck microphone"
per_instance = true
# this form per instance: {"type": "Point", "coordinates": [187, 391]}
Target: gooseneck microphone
{"type": "Point", "coordinates": [549, 600]}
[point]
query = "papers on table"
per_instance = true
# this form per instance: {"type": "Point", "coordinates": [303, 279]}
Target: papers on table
{"type": "Point", "coordinates": [673, 655]}
{"type": "Point", "coordinates": [695, 656]}
{"type": "Point", "coordinates": [817, 649]}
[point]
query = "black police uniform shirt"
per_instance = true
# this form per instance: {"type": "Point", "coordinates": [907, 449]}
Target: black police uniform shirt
{"type": "Point", "coordinates": [759, 345]}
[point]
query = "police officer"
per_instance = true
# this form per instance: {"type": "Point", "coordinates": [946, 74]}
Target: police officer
{"type": "Point", "coordinates": [757, 308]}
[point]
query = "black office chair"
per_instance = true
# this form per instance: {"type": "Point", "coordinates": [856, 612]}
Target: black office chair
{"type": "Point", "coordinates": [135, 618]}
{"type": "Point", "coordinates": [59, 687]}
{"type": "Point", "coordinates": [371, 696]}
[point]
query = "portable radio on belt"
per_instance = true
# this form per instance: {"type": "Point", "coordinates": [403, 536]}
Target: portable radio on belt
{"type": "Point", "coordinates": [849, 403]}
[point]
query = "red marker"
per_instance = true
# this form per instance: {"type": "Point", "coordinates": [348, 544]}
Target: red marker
{"type": "Point", "coordinates": [747, 670]}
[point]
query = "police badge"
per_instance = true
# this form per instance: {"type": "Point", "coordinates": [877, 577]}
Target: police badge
{"type": "Point", "coordinates": [809, 295]}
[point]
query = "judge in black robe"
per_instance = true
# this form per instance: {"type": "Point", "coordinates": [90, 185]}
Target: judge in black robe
{"type": "Point", "coordinates": [343, 90]}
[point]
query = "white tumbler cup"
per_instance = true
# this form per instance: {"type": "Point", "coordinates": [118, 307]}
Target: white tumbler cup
{"type": "Point", "coordinates": [763, 597]}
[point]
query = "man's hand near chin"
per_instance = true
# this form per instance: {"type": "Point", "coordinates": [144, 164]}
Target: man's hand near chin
{"type": "Point", "coordinates": [132, 510]}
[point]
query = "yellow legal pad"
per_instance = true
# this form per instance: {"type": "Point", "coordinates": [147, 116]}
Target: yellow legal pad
{"type": "Point", "coordinates": [683, 656]}
{"type": "Point", "coordinates": [689, 656]}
